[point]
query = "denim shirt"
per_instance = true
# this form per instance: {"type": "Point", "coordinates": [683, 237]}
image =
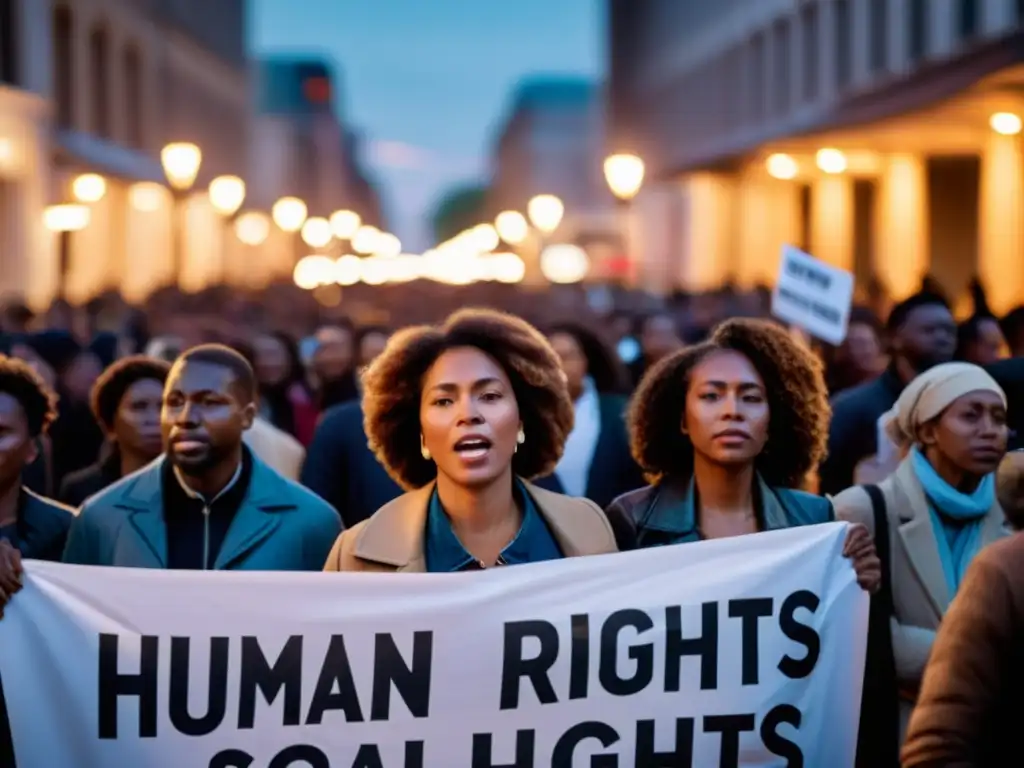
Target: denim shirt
{"type": "Point", "coordinates": [444, 552]}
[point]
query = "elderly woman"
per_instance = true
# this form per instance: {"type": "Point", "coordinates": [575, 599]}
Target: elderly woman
{"type": "Point", "coordinates": [461, 416]}
{"type": "Point", "coordinates": [727, 431]}
{"type": "Point", "coordinates": [939, 506]}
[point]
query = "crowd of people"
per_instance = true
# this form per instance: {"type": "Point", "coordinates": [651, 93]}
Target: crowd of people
{"type": "Point", "coordinates": [482, 440]}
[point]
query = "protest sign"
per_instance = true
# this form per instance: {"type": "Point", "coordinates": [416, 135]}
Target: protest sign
{"type": "Point", "coordinates": [813, 295]}
{"type": "Point", "coordinates": [735, 652]}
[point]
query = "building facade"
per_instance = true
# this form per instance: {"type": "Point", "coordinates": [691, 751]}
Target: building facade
{"type": "Point", "coordinates": [553, 142]}
{"type": "Point", "coordinates": [883, 136]}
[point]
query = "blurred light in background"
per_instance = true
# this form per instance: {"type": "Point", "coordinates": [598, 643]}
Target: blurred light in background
{"type": "Point", "coordinates": [348, 270]}
{"type": "Point", "coordinates": [252, 228]}
{"type": "Point", "coordinates": [831, 161]}
{"type": "Point", "coordinates": [1005, 123]}
{"type": "Point", "coordinates": [66, 218]}
{"type": "Point", "coordinates": [512, 227]}
{"type": "Point", "coordinates": [314, 271]}
{"type": "Point", "coordinates": [147, 196]}
{"type": "Point", "coordinates": [545, 212]}
{"type": "Point", "coordinates": [316, 232]}
{"type": "Point", "coordinates": [388, 246]}
{"type": "Point", "coordinates": [505, 268]}
{"type": "Point", "coordinates": [181, 161]}
{"type": "Point", "coordinates": [345, 224]}
{"type": "Point", "coordinates": [365, 239]}
{"type": "Point", "coordinates": [227, 193]}
{"type": "Point", "coordinates": [564, 263]}
{"type": "Point", "coordinates": [289, 214]}
{"type": "Point", "coordinates": [484, 238]}
{"type": "Point", "coordinates": [89, 188]}
{"type": "Point", "coordinates": [7, 157]}
{"type": "Point", "coordinates": [781, 166]}
{"type": "Point", "coordinates": [625, 175]}
{"type": "Point", "coordinates": [375, 271]}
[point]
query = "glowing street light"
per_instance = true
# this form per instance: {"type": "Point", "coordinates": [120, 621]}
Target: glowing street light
{"type": "Point", "coordinates": [484, 238]}
{"type": "Point", "coordinates": [181, 161]}
{"type": "Point", "coordinates": [1005, 123]}
{"type": "Point", "coordinates": [545, 212]}
{"type": "Point", "coordinates": [831, 161]}
{"type": "Point", "coordinates": [227, 193]}
{"type": "Point", "coordinates": [289, 214]}
{"type": "Point", "coordinates": [345, 224]}
{"type": "Point", "coordinates": [252, 228]}
{"type": "Point", "coordinates": [72, 217]}
{"type": "Point", "coordinates": [365, 239]}
{"type": "Point", "coordinates": [89, 188]}
{"type": "Point", "coordinates": [388, 246]}
{"type": "Point", "coordinates": [316, 232]}
{"type": "Point", "coordinates": [781, 166]}
{"type": "Point", "coordinates": [512, 227]}
{"type": "Point", "coordinates": [625, 175]}
{"type": "Point", "coordinates": [564, 263]}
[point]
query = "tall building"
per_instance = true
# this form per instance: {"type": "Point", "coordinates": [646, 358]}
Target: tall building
{"type": "Point", "coordinates": [552, 142]}
{"type": "Point", "coordinates": [99, 88]}
{"type": "Point", "coordinates": [881, 135]}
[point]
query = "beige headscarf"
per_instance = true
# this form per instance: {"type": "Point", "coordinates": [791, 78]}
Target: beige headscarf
{"type": "Point", "coordinates": [930, 394]}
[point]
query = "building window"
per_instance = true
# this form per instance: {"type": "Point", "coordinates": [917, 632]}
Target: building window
{"type": "Point", "coordinates": [756, 76]}
{"type": "Point", "coordinates": [917, 30]}
{"type": "Point", "coordinates": [782, 66]}
{"type": "Point", "coordinates": [843, 36]}
{"type": "Point", "coordinates": [810, 35]}
{"type": "Point", "coordinates": [63, 61]}
{"type": "Point", "coordinates": [878, 12]}
{"type": "Point", "coordinates": [99, 70]}
{"type": "Point", "coordinates": [133, 97]}
{"type": "Point", "coordinates": [9, 42]}
{"type": "Point", "coordinates": [967, 19]}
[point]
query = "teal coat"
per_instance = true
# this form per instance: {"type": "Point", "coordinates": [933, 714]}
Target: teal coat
{"type": "Point", "coordinates": [280, 526]}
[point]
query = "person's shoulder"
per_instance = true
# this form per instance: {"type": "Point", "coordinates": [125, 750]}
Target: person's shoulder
{"type": "Point", "coordinates": [856, 398]}
{"type": "Point", "coordinates": [1006, 554]}
{"type": "Point", "coordinates": [810, 508]}
{"type": "Point", "coordinates": [350, 412]}
{"type": "Point", "coordinates": [635, 498]}
{"type": "Point", "coordinates": [107, 502]}
{"type": "Point", "coordinates": [51, 507]}
{"type": "Point", "coordinates": [303, 498]}
{"type": "Point", "coordinates": [582, 516]}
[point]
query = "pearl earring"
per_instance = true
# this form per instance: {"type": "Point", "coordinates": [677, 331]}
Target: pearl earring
{"type": "Point", "coordinates": [424, 451]}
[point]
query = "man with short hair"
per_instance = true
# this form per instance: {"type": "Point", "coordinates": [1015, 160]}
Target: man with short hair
{"type": "Point", "coordinates": [208, 504]}
{"type": "Point", "coordinates": [921, 333]}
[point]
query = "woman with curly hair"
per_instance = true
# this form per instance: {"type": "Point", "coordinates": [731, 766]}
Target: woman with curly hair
{"type": "Point", "coordinates": [596, 462]}
{"type": "Point", "coordinates": [462, 415]}
{"type": "Point", "coordinates": [727, 431]}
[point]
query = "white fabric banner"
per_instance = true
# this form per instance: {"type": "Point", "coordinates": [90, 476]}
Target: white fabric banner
{"type": "Point", "coordinates": [737, 652]}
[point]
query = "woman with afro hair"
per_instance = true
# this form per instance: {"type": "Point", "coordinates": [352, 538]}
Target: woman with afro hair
{"type": "Point", "coordinates": [726, 432]}
{"type": "Point", "coordinates": [462, 416]}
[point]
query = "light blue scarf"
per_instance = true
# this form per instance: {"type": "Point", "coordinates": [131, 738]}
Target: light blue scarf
{"type": "Point", "coordinates": [957, 517]}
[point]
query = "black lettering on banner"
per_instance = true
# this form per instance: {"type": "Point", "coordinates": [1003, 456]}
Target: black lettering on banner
{"type": "Point", "coordinates": [336, 672]}
{"type": "Point", "coordinates": [822, 311]}
{"type": "Point", "coordinates": [805, 634]}
{"type": "Point", "coordinates": [565, 747]}
{"type": "Point", "coordinates": [514, 667]}
{"type": "Point", "coordinates": [705, 646]}
{"type": "Point", "coordinates": [730, 726]}
{"type": "Point", "coordinates": [642, 654]}
{"type": "Point", "coordinates": [217, 689]}
{"type": "Point", "coordinates": [270, 679]}
{"type": "Point", "coordinates": [777, 744]}
{"type": "Point", "coordinates": [483, 746]}
{"type": "Point", "coordinates": [680, 757]}
{"type": "Point", "coordinates": [232, 758]}
{"type": "Point", "coordinates": [306, 754]}
{"type": "Point", "coordinates": [411, 681]}
{"type": "Point", "coordinates": [579, 657]}
{"type": "Point", "coordinates": [749, 611]}
{"type": "Point", "coordinates": [113, 684]}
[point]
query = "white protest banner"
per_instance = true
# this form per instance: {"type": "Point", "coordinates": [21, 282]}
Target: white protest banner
{"type": "Point", "coordinates": [736, 652]}
{"type": "Point", "coordinates": [813, 295]}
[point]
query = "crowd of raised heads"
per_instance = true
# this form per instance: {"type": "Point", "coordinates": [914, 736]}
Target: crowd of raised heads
{"type": "Point", "coordinates": [423, 436]}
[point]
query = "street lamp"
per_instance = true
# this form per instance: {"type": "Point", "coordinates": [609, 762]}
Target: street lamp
{"type": "Point", "coordinates": [512, 227]}
{"type": "Point", "coordinates": [564, 263]}
{"type": "Point", "coordinates": [625, 175]}
{"type": "Point", "coordinates": [364, 241]}
{"type": "Point", "coordinates": [63, 220]}
{"type": "Point", "coordinates": [345, 224]}
{"type": "Point", "coordinates": [252, 228]}
{"type": "Point", "coordinates": [545, 212]}
{"type": "Point", "coordinates": [89, 188]}
{"type": "Point", "coordinates": [316, 232]}
{"type": "Point", "coordinates": [289, 213]}
{"type": "Point", "coordinates": [227, 193]}
{"type": "Point", "coordinates": [181, 162]}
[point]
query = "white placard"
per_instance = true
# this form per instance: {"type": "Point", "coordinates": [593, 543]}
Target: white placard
{"type": "Point", "coordinates": [737, 652]}
{"type": "Point", "coordinates": [813, 295]}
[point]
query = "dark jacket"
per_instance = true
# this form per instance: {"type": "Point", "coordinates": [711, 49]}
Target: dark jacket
{"type": "Point", "coordinates": [612, 470]}
{"type": "Point", "coordinates": [280, 526]}
{"type": "Point", "coordinates": [341, 468]}
{"type": "Point", "coordinates": [853, 432]}
{"type": "Point", "coordinates": [664, 514]}
{"type": "Point", "coordinates": [43, 526]}
{"type": "Point", "coordinates": [1009, 374]}
{"type": "Point", "coordinates": [80, 485]}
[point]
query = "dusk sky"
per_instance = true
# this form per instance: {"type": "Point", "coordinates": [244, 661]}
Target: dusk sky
{"type": "Point", "coordinates": [428, 81]}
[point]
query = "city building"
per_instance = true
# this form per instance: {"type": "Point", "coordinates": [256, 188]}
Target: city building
{"type": "Point", "coordinates": [93, 90]}
{"type": "Point", "coordinates": [883, 136]}
{"type": "Point", "coordinates": [552, 142]}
